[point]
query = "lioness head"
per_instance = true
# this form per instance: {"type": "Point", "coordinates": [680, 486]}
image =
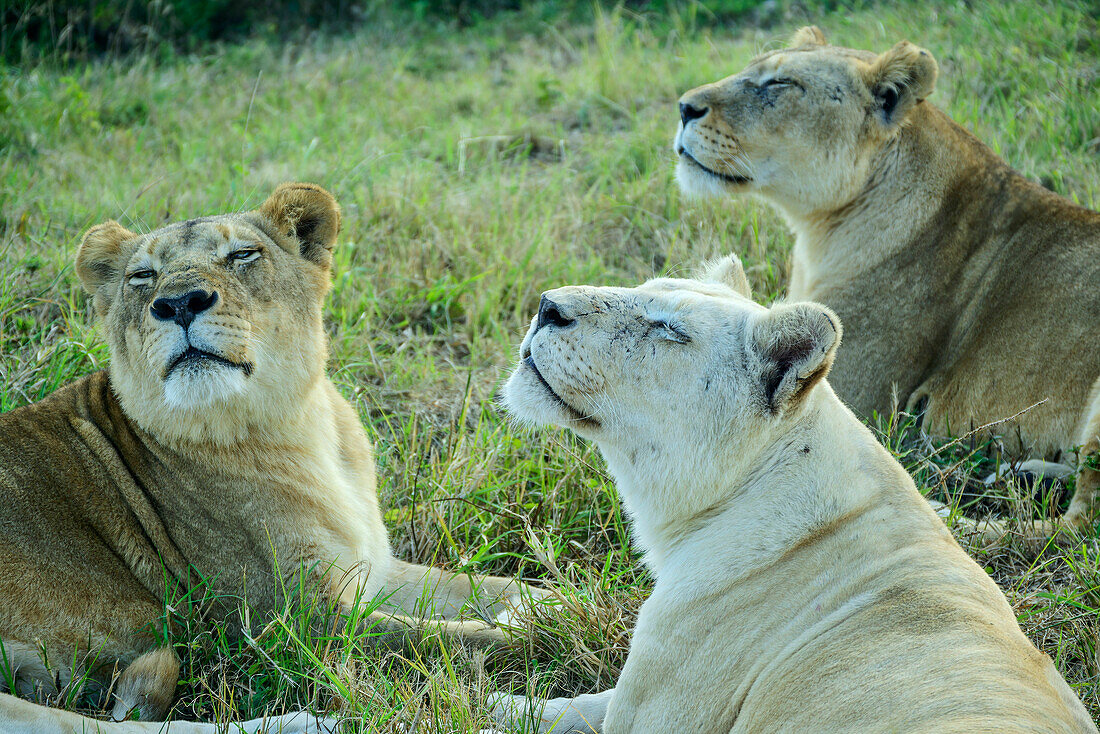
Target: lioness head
{"type": "Point", "coordinates": [214, 323]}
{"type": "Point", "coordinates": [669, 375]}
{"type": "Point", "coordinates": [800, 125]}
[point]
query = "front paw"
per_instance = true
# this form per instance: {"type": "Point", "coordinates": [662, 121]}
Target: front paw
{"type": "Point", "coordinates": [554, 716]}
{"type": "Point", "coordinates": [513, 713]}
{"type": "Point", "coordinates": [299, 722]}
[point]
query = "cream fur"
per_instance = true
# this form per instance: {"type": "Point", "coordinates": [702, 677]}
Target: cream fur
{"type": "Point", "coordinates": [802, 582]}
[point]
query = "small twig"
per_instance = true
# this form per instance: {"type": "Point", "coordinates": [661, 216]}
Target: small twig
{"type": "Point", "coordinates": [973, 431]}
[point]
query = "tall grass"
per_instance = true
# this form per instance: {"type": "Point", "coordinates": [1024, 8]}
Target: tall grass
{"type": "Point", "coordinates": [477, 168]}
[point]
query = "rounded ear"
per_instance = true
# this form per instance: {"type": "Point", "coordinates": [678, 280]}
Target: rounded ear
{"type": "Point", "coordinates": [100, 255]}
{"type": "Point", "coordinates": [307, 213]}
{"type": "Point", "coordinates": [795, 345]}
{"type": "Point", "coordinates": [809, 35]}
{"type": "Point", "coordinates": [899, 79]}
{"type": "Point", "coordinates": [727, 271]}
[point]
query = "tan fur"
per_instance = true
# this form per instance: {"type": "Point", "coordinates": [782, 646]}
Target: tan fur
{"type": "Point", "coordinates": [969, 292]}
{"type": "Point", "coordinates": [243, 466]}
{"type": "Point", "coordinates": [801, 583]}
{"type": "Point", "coordinates": [147, 686]}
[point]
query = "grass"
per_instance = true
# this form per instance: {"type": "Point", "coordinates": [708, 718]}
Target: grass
{"type": "Point", "coordinates": [477, 168]}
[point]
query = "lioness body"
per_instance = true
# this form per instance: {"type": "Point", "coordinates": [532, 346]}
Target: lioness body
{"type": "Point", "coordinates": [989, 281]}
{"type": "Point", "coordinates": [969, 292]}
{"type": "Point", "coordinates": [93, 502]}
{"type": "Point", "coordinates": [802, 582]}
{"type": "Point", "coordinates": [215, 451]}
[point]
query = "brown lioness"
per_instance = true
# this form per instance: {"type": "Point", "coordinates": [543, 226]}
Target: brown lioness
{"type": "Point", "coordinates": [802, 584]}
{"type": "Point", "coordinates": [969, 292]}
{"type": "Point", "coordinates": [214, 445]}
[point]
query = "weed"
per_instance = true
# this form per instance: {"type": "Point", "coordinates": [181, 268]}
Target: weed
{"type": "Point", "coordinates": [439, 269]}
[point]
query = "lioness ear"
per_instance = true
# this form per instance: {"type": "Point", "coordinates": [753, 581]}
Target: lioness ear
{"type": "Point", "coordinates": [795, 344]}
{"type": "Point", "coordinates": [100, 255]}
{"type": "Point", "coordinates": [307, 213]}
{"type": "Point", "coordinates": [727, 271]}
{"type": "Point", "coordinates": [899, 79]}
{"type": "Point", "coordinates": [809, 35]}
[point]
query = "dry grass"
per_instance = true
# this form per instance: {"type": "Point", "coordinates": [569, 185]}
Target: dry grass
{"type": "Point", "coordinates": [476, 169]}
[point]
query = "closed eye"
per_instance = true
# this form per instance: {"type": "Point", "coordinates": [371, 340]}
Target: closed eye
{"type": "Point", "coordinates": [141, 277]}
{"type": "Point", "coordinates": [245, 255]}
{"type": "Point", "coordinates": [670, 331]}
{"type": "Point", "coordinates": [780, 82]}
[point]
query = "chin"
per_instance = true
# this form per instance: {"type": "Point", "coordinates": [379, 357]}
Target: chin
{"type": "Point", "coordinates": [202, 385]}
{"type": "Point", "coordinates": [528, 402]}
{"type": "Point", "coordinates": [525, 400]}
{"type": "Point", "coordinates": [697, 183]}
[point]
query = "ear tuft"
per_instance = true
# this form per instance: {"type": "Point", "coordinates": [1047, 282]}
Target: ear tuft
{"type": "Point", "coordinates": [99, 258]}
{"type": "Point", "coordinates": [728, 271]}
{"type": "Point", "coordinates": [796, 345]}
{"type": "Point", "coordinates": [899, 79]}
{"type": "Point", "coordinates": [307, 213]}
{"type": "Point", "coordinates": [809, 35]}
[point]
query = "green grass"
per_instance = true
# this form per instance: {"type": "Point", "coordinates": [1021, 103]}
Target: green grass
{"type": "Point", "coordinates": [449, 239]}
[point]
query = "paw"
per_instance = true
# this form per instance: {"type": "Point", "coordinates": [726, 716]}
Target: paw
{"type": "Point", "coordinates": [509, 619]}
{"type": "Point", "coordinates": [517, 713]}
{"type": "Point", "coordinates": [554, 716]}
{"type": "Point", "coordinates": [506, 709]}
{"type": "Point", "coordinates": [1031, 472]}
{"type": "Point", "coordinates": [299, 722]}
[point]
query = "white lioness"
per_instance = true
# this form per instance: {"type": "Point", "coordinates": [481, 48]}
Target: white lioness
{"type": "Point", "coordinates": [970, 292]}
{"type": "Point", "coordinates": [802, 582]}
{"type": "Point", "coordinates": [215, 447]}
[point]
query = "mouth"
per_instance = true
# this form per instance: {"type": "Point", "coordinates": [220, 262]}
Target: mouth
{"type": "Point", "coordinates": [738, 180]}
{"type": "Point", "coordinates": [574, 414]}
{"type": "Point", "coordinates": [192, 355]}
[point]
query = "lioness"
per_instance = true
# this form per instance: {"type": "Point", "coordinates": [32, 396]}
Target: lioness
{"type": "Point", "coordinates": [214, 445]}
{"type": "Point", "coordinates": [802, 582]}
{"type": "Point", "coordinates": [970, 293]}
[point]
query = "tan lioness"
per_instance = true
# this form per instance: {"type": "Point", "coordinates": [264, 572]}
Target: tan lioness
{"type": "Point", "coordinates": [214, 446]}
{"type": "Point", "coordinates": [802, 584]}
{"type": "Point", "coordinates": [969, 292]}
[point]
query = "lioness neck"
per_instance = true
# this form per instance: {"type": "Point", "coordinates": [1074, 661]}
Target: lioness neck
{"type": "Point", "coordinates": [910, 181]}
{"type": "Point", "coordinates": [281, 417]}
{"type": "Point", "coordinates": [775, 492]}
{"type": "Point", "coordinates": [291, 417]}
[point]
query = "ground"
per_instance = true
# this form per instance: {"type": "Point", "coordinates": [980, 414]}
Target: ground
{"type": "Point", "coordinates": [478, 167]}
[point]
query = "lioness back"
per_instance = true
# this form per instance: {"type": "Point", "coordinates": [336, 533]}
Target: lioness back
{"type": "Point", "coordinates": [929, 644]}
{"type": "Point", "coordinates": [980, 308]}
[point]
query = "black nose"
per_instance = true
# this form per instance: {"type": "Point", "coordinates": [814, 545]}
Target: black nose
{"type": "Point", "coordinates": [689, 112]}
{"type": "Point", "coordinates": [183, 309]}
{"type": "Point", "coordinates": [550, 313]}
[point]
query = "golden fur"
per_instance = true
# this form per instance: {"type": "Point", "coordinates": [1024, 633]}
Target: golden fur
{"type": "Point", "coordinates": [969, 292]}
{"type": "Point", "coordinates": [801, 583]}
{"type": "Point", "coordinates": [215, 446]}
